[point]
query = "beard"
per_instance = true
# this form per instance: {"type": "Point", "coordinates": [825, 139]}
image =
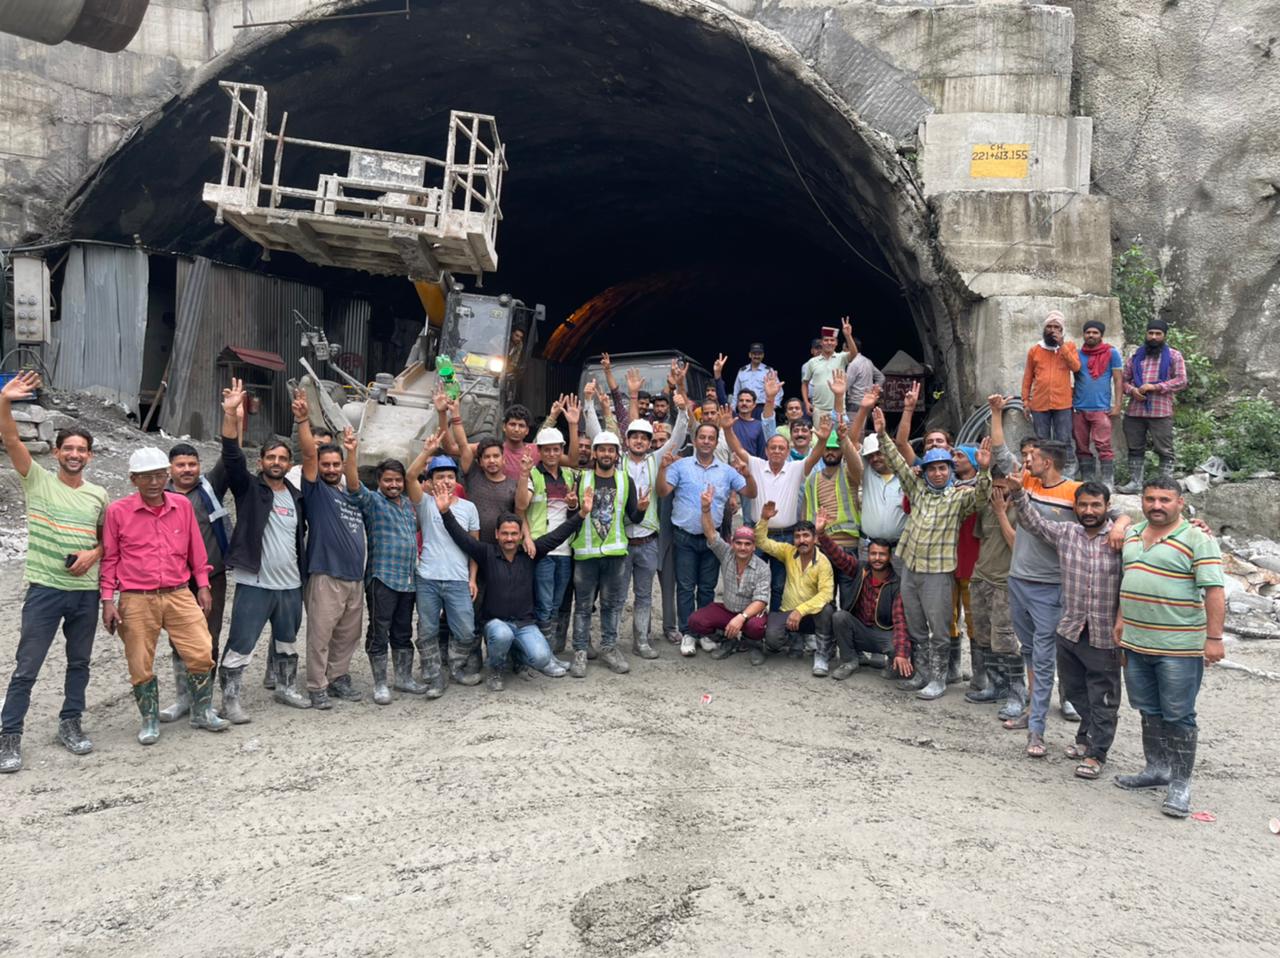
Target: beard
{"type": "Point", "coordinates": [1155, 344]}
{"type": "Point", "coordinates": [1048, 339]}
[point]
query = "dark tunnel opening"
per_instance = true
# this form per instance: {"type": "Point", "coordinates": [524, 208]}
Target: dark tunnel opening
{"type": "Point", "coordinates": [642, 156]}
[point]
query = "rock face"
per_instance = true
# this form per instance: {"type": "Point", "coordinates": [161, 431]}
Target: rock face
{"type": "Point", "coordinates": [1185, 100]}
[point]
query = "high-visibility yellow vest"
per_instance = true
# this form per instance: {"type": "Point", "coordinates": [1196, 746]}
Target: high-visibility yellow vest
{"type": "Point", "coordinates": [586, 545]}
{"type": "Point", "coordinates": [847, 519]}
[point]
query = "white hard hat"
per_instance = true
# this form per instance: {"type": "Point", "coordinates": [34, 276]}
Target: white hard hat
{"type": "Point", "coordinates": [147, 459]}
{"type": "Point", "coordinates": [640, 425]}
{"type": "Point", "coordinates": [870, 444]}
{"type": "Point", "coordinates": [549, 437]}
{"type": "Point", "coordinates": [605, 439]}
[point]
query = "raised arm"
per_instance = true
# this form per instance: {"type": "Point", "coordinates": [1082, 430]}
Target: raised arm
{"type": "Point", "coordinates": [665, 488]}
{"type": "Point", "coordinates": [458, 432]}
{"type": "Point", "coordinates": [1072, 356]}
{"type": "Point", "coordinates": [572, 414]}
{"type": "Point", "coordinates": [544, 544]}
{"type": "Point", "coordinates": [778, 550]}
{"type": "Point", "coordinates": [476, 551]}
{"type": "Point", "coordinates": [909, 480]}
{"type": "Point", "coordinates": [1008, 462]}
{"type": "Point", "coordinates": [351, 460]}
{"type": "Point", "coordinates": [412, 487]}
{"type": "Point", "coordinates": [22, 386]}
{"type": "Point", "coordinates": [850, 346]}
{"type": "Point", "coordinates": [717, 368]}
{"type": "Point", "coordinates": [679, 431]}
{"type": "Point", "coordinates": [306, 441]}
{"type": "Point", "coordinates": [524, 495]}
{"type": "Point", "coordinates": [842, 561]}
{"type": "Point", "coordinates": [725, 422]}
{"type": "Point", "coordinates": [902, 440]}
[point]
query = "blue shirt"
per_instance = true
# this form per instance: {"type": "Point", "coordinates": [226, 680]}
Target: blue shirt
{"type": "Point", "coordinates": [335, 532]}
{"type": "Point", "coordinates": [441, 560]}
{"type": "Point", "coordinates": [1092, 395]}
{"type": "Point", "coordinates": [690, 479]}
{"type": "Point", "coordinates": [392, 527]}
{"type": "Point", "coordinates": [753, 379]}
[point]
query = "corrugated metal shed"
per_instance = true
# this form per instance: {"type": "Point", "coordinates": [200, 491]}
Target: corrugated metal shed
{"type": "Point", "coordinates": [346, 322]}
{"type": "Point", "coordinates": [99, 337]}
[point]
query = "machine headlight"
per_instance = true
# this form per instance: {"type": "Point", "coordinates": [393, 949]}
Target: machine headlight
{"type": "Point", "coordinates": [496, 364]}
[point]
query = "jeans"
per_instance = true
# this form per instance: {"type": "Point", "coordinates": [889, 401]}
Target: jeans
{"type": "Point", "coordinates": [390, 618]}
{"type": "Point", "coordinates": [251, 609]}
{"type": "Point", "coordinates": [926, 601]}
{"type": "Point", "coordinates": [697, 570]}
{"type": "Point", "coordinates": [1036, 610]}
{"type": "Point", "coordinates": [551, 578]}
{"type": "Point", "coordinates": [1091, 682]}
{"type": "Point", "coordinates": [609, 573]}
{"type": "Point", "coordinates": [454, 597]}
{"type": "Point", "coordinates": [854, 636]}
{"type": "Point", "coordinates": [1056, 425]}
{"type": "Point", "coordinates": [1164, 686]}
{"type": "Point", "coordinates": [499, 636]}
{"type": "Point", "coordinates": [42, 609]}
{"type": "Point", "coordinates": [640, 565]}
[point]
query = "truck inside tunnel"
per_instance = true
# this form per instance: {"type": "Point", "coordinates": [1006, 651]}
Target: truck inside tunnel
{"type": "Point", "coordinates": [670, 184]}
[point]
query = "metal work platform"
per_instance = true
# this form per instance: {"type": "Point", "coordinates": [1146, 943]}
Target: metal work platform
{"type": "Point", "coordinates": [374, 210]}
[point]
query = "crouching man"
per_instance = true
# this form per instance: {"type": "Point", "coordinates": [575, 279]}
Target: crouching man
{"type": "Point", "coordinates": [508, 571]}
{"type": "Point", "coordinates": [152, 548]}
{"type": "Point", "coordinates": [806, 598]}
{"type": "Point", "coordinates": [744, 587]}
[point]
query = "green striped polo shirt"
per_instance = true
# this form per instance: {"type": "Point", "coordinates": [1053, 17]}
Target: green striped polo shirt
{"type": "Point", "coordinates": [1161, 599]}
{"type": "Point", "coordinates": [60, 520]}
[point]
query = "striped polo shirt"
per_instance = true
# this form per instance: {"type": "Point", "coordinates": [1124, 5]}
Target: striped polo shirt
{"type": "Point", "coordinates": [60, 520]}
{"type": "Point", "coordinates": [1161, 599]}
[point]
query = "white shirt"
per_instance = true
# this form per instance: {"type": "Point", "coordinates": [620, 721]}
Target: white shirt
{"type": "Point", "coordinates": [781, 488]}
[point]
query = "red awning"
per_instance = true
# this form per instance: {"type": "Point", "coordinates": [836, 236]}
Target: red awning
{"type": "Point", "coordinates": [253, 357]}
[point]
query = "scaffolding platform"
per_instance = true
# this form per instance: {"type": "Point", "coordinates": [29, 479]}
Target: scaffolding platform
{"type": "Point", "coordinates": [382, 212]}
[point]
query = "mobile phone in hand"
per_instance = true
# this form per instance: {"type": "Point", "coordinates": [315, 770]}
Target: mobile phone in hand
{"type": "Point", "coordinates": [70, 559]}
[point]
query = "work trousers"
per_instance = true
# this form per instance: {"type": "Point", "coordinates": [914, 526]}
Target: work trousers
{"type": "Point", "coordinates": [217, 589]}
{"type": "Point", "coordinates": [960, 603]}
{"type": "Point", "coordinates": [992, 626]}
{"type": "Point", "coordinates": [926, 600]}
{"type": "Point", "coordinates": [335, 608]}
{"type": "Point", "coordinates": [1138, 429]}
{"type": "Point", "coordinates": [608, 573]}
{"type": "Point", "coordinates": [715, 617]}
{"type": "Point", "coordinates": [252, 608]}
{"type": "Point", "coordinates": [639, 566]}
{"type": "Point", "coordinates": [853, 636]}
{"type": "Point", "coordinates": [1091, 682]}
{"type": "Point", "coordinates": [697, 570]}
{"type": "Point", "coordinates": [1164, 686]}
{"type": "Point", "coordinates": [667, 584]}
{"type": "Point", "coordinates": [1093, 427]}
{"type": "Point", "coordinates": [1036, 608]}
{"type": "Point", "coordinates": [144, 614]}
{"type": "Point", "coordinates": [390, 618]}
{"type": "Point", "coordinates": [43, 609]}
{"type": "Point", "coordinates": [818, 625]}
{"type": "Point", "coordinates": [453, 597]}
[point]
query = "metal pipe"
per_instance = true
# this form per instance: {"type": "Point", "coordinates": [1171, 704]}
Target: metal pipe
{"type": "Point", "coordinates": [106, 25]}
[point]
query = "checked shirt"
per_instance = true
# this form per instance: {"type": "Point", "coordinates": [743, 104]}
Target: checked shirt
{"type": "Point", "coordinates": [392, 530]}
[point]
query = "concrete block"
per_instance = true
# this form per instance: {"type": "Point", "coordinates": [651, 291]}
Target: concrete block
{"type": "Point", "coordinates": [1002, 328]}
{"type": "Point", "coordinates": [1027, 244]}
{"type": "Point", "coordinates": [1045, 93]}
{"type": "Point", "coordinates": [1036, 152]}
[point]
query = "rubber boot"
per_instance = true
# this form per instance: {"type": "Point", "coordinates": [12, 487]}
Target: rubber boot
{"type": "Point", "coordinates": [937, 685]}
{"type": "Point", "coordinates": [200, 685]}
{"type": "Point", "coordinates": [182, 704]}
{"type": "Point", "coordinates": [560, 638]}
{"type": "Point", "coordinates": [1157, 773]}
{"type": "Point", "coordinates": [996, 685]}
{"type": "Point", "coordinates": [378, 669]}
{"type": "Point", "coordinates": [147, 695]}
{"type": "Point", "coordinates": [640, 644]}
{"type": "Point", "coordinates": [1180, 745]}
{"type": "Point", "coordinates": [402, 660]}
{"type": "Point", "coordinates": [73, 738]}
{"type": "Point", "coordinates": [432, 675]}
{"type": "Point", "coordinates": [1015, 671]}
{"type": "Point", "coordinates": [955, 672]}
{"type": "Point", "coordinates": [269, 679]}
{"type": "Point", "coordinates": [920, 663]}
{"type": "Point", "coordinates": [1107, 474]}
{"type": "Point", "coordinates": [1136, 469]}
{"type": "Point", "coordinates": [1088, 469]}
{"type": "Point", "coordinates": [286, 692]}
{"type": "Point", "coordinates": [10, 752]}
{"type": "Point", "coordinates": [232, 681]}
{"type": "Point", "coordinates": [977, 662]}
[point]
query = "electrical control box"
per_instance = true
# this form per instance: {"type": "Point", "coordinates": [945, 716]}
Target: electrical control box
{"type": "Point", "coordinates": [32, 301]}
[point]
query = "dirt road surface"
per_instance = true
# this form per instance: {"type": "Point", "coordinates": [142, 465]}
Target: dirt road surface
{"type": "Point", "coordinates": [622, 815]}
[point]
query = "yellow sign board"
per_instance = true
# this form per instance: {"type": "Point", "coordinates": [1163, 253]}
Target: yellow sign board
{"type": "Point", "coordinates": [999, 161]}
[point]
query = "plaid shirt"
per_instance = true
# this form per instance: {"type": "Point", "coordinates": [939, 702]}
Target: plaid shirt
{"type": "Point", "coordinates": [1091, 572]}
{"type": "Point", "coordinates": [739, 591]}
{"type": "Point", "coordinates": [392, 530]}
{"type": "Point", "coordinates": [928, 542]}
{"type": "Point", "coordinates": [1159, 404]}
{"type": "Point", "coordinates": [867, 604]}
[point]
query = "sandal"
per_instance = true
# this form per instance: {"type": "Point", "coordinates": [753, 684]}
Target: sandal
{"type": "Point", "coordinates": [1090, 768]}
{"type": "Point", "coordinates": [1076, 750]}
{"type": "Point", "coordinates": [1035, 745]}
{"type": "Point", "coordinates": [1020, 722]}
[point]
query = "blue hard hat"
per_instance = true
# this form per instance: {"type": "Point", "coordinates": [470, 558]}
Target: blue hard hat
{"type": "Point", "coordinates": [936, 455]}
{"type": "Point", "coordinates": [441, 462]}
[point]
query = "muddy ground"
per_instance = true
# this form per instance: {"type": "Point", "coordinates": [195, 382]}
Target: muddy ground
{"type": "Point", "coordinates": [623, 815]}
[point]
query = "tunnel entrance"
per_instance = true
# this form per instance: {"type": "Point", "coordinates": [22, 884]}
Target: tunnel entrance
{"type": "Point", "coordinates": [670, 184]}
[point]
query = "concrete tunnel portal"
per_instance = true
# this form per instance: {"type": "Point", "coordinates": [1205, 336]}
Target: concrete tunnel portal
{"type": "Point", "coordinates": [648, 191]}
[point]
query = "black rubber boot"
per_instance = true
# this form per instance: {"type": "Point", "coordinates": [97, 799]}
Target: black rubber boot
{"type": "Point", "coordinates": [182, 704]}
{"type": "Point", "coordinates": [920, 663]}
{"type": "Point", "coordinates": [996, 686]}
{"type": "Point", "coordinates": [977, 654]}
{"type": "Point", "coordinates": [232, 681]}
{"type": "Point", "coordinates": [378, 669]}
{"type": "Point", "coordinates": [269, 679]}
{"type": "Point", "coordinates": [1015, 673]}
{"type": "Point", "coordinates": [286, 689]}
{"type": "Point", "coordinates": [1157, 772]}
{"type": "Point", "coordinates": [200, 687]}
{"type": "Point", "coordinates": [955, 663]}
{"type": "Point", "coordinates": [1088, 469]}
{"type": "Point", "coordinates": [1180, 746]}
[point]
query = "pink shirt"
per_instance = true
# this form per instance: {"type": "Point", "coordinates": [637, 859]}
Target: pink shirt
{"type": "Point", "coordinates": [145, 548]}
{"type": "Point", "coordinates": [511, 458]}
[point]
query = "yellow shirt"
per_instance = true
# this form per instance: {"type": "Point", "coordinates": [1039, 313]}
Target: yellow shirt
{"type": "Point", "coordinates": [809, 588]}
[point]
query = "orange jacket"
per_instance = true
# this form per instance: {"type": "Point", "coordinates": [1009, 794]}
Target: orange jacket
{"type": "Point", "coordinates": [1046, 379]}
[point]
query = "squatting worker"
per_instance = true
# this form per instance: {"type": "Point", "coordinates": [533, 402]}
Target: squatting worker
{"type": "Point", "coordinates": [744, 586]}
{"type": "Point", "coordinates": [64, 521]}
{"type": "Point", "coordinates": [151, 549]}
